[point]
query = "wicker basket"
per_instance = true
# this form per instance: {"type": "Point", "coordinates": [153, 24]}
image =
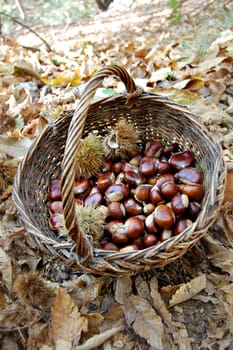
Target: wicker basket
{"type": "Point", "coordinates": [53, 155]}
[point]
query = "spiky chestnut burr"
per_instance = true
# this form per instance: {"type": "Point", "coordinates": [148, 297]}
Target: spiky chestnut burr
{"type": "Point", "coordinates": [90, 218]}
{"type": "Point", "coordinates": [122, 141]}
{"type": "Point", "coordinates": [32, 289]}
{"type": "Point", "coordinates": [90, 157]}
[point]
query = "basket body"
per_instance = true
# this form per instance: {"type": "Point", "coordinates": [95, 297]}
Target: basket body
{"type": "Point", "coordinates": [155, 117]}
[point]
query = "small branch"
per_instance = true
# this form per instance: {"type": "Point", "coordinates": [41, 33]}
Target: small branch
{"type": "Point", "coordinates": [20, 8]}
{"type": "Point", "coordinates": [27, 27]}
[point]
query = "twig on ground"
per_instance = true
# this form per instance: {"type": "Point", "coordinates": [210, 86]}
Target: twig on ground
{"type": "Point", "coordinates": [27, 27]}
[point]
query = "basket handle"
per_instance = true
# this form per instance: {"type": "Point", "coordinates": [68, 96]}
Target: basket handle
{"type": "Point", "coordinates": [71, 150]}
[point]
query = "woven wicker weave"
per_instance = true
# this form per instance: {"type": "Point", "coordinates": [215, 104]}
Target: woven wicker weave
{"type": "Point", "coordinates": [53, 155]}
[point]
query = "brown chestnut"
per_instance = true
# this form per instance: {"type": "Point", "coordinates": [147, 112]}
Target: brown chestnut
{"type": "Point", "coordinates": [151, 180]}
{"type": "Point", "coordinates": [194, 210]}
{"type": "Point", "coordinates": [116, 210]}
{"type": "Point", "coordinates": [147, 166]}
{"type": "Point", "coordinates": [56, 207]}
{"type": "Point", "coordinates": [94, 199]}
{"type": "Point", "coordinates": [163, 167]}
{"type": "Point", "coordinates": [133, 178]}
{"type": "Point", "coordinates": [153, 148]}
{"type": "Point", "coordinates": [164, 216]}
{"type": "Point", "coordinates": [105, 180]}
{"type": "Point", "coordinates": [56, 221]}
{"type": "Point", "coordinates": [148, 208]}
{"type": "Point", "coordinates": [189, 175]}
{"type": "Point", "coordinates": [169, 189]}
{"type": "Point", "coordinates": [170, 148]}
{"type": "Point", "coordinates": [120, 178]}
{"type": "Point", "coordinates": [106, 165]}
{"type": "Point", "coordinates": [129, 248]}
{"type": "Point", "coordinates": [82, 186]}
{"type": "Point", "coordinates": [142, 193]}
{"type": "Point", "coordinates": [117, 167]}
{"type": "Point", "coordinates": [136, 160]}
{"type": "Point", "coordinates": [181, 225]}
{"type": "Point", "coordinates": [164, 178]}
{"type": "Point", "coordinates": [134, 227]}
{"type": "Point", "coordinates": [150, 224]}
{"type": "Point", "coordinates": [138, 242]}
{"type": "Point", "coordinates": [132, 207]}
{"type": "Point", "coordinates": [116, 192]}
{"type": "Point", "coordinates": [120, 237]}
{"type": "Point", "coordinates": [155, 195]}
{"type": "Point", "coordinates": [195, 192]}
{"type": "Point", "coordinates": [109, 246]}
{"type": "Point", "coordinates": [165, 234]}
{"type": "Point", "coordinates": [95, 189]}
{"type": "Point", "coordinates": [130, 167]}
{"type": "Point", "coordinates": [149, 240]}
{"type": "Point", "coordinates": [55, 190]}
{"type": "Point", "coordinates": [112, 227]}
{"type": "Point", "coordinates": [181, 160]}
{"type": "Point", "coordinates": [179, 203]}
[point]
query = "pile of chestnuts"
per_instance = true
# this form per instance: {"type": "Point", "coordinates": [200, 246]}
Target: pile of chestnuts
{"type": "Point", "coordinates": [152, 196]}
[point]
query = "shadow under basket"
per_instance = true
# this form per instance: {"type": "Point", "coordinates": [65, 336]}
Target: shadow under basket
{"type": "Point", "coordinates": [52, 155]}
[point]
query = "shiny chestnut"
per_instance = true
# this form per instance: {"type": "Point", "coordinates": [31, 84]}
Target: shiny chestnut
{"type": "Point", "coordinates": [164, 216]}
{"type": "Point", "coordinates": [153, 148]}
{"type": "Point", "coordinates": [147, 166]}
{"type": "Point", "coordinates": [112, 227]}
{"type": "Point", "coordinates": [106, 165]}
{"type": "Point", "coordinates": [132, 207]}
{"type": "Point", "coordinates": [181, 225]}
{"type": "Point", "coordinates": [94, 199]}
{"type": "Point", "coordinates": [133, 178]}
{"type": "Point", "coordinates": [194, 210]}
{"type": "Point", "coordinates": [189, 175]}
{"type": "Point", "coordinates": [56, 207]}
{"type": "Point", "coordinates": [116, 192]}
{"type": "Point", "coordinates": [163, 167]}
{"type": "Point", "coordinates": [181, 160]}
{"type": "Point", "coordinates": [150, 224]}
{"type": "Point", "coordinates": [195, 192]}
{"type": "Point", "coordinates": [142, 193]}
{"type": "Point", "coordinates": [179, 203]}
{"type": "Point", "coordinates": [165, 234]}
{"type": "Point", "coordinates": [109, 246]}
{"type": "Point", "coordinates": [170, 148]}
{"type": "Point", "coordinates": [129, 248]}
{"type": "Point", "coordinates": [150, 240]}
{"type": "Point", "coordinates": [82, 187]}
{"type": "Point", "coordinates": [105, 180]}
{"type": "Point", "coordinates": [155, 195]}
{"type": "Point", "coordinates": [169, 189]}
{"type": "Point", "coordinates": [164, 178]}
{"type": "Point", "coordinates": [134, 227]}
{"type": "Point", "coordinates": [55, 190]}
{"type": "Point", "coordinates": [116, 210]}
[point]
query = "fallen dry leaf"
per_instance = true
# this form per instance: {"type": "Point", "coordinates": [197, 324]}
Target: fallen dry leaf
{"type": "Point", "coordinates": [219, 255]}
{"type": "Point", "coordinates": [67, 323]}
{"type": "Point", "coordinates": [6, 269]}
{"type": "Point", "coordinates": [228, 194]}
{"type": "Point", "coordinates": [188, 290]}
{"type": "Point", "coordinates": [159, 303]}
{"type": "Point", "coordinates": [144, 320]}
